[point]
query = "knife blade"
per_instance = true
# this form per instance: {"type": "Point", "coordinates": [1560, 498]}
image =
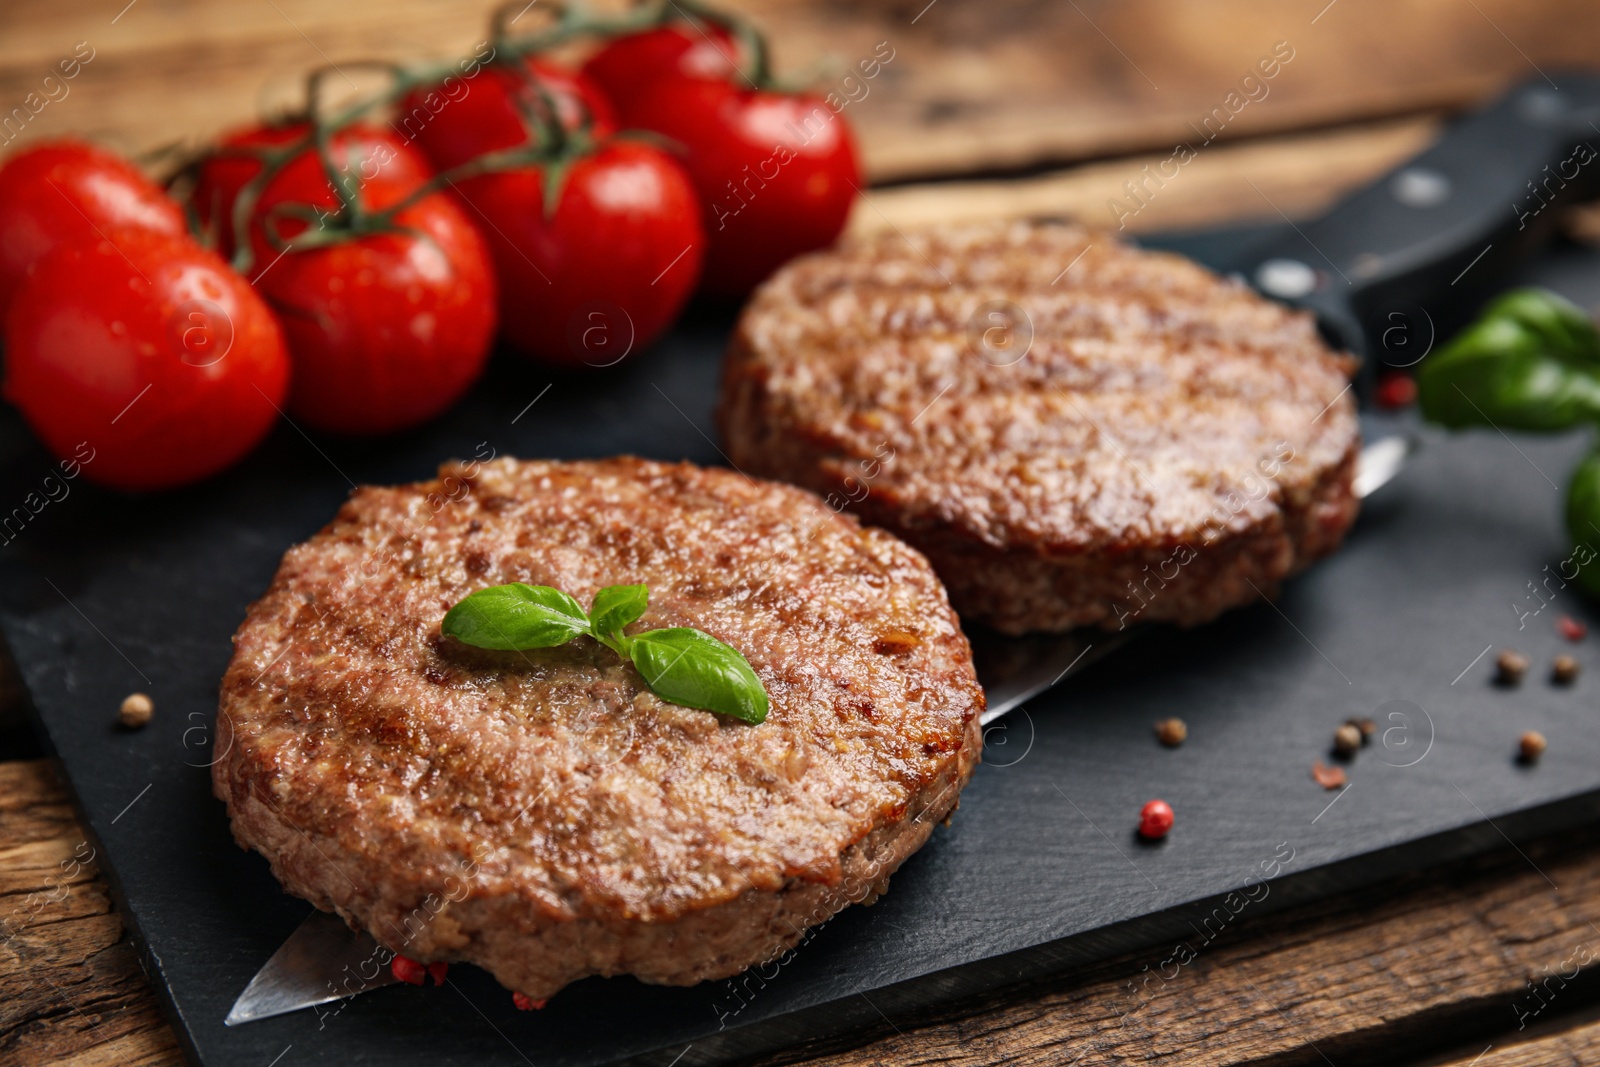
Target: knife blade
{"type": "Point", "coordinates": [322, 961]}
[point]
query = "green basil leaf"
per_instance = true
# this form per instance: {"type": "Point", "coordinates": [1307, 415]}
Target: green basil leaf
{"type": "Point", "coordinates": [516, 616]}
{"type": "Point", "coordinates": [1583, 522]}
{"type": "Point", "coordinates": [616, 606]}
{"type": "Point", "coordinates": [694, 669]}
{"type": "Point", "coordinates": [1564, 329]}
{"type": "Point", "coordinates": [1530, 362]}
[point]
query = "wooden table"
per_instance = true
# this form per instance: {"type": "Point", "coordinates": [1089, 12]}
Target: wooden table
{"type": "Point", "coordinates": [1020, 107]}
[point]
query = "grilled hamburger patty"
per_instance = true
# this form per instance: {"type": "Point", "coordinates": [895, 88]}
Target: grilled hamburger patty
{"type": "Point", "coordinates": [1075, 432]}
{"type": "Point", "coordinates": [541, 813]}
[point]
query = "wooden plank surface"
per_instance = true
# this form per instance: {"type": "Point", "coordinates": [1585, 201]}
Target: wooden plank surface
{"type": "Point", "coordinates": [972, 87]}
{"type": "Point", "coordinates": [1295, 175]}
{"type": "Point", "coordinates": [1393, 971]}
{"type": "Point", "coordinates": [1565, 1042]}
{"type": "Point", "coordinates": [71, 989]}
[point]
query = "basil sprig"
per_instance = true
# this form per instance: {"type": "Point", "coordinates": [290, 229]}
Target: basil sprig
{"type": "Point", "coordinates": [681, 665]}
{"type": "Point", "coordinates": [1531, 361]}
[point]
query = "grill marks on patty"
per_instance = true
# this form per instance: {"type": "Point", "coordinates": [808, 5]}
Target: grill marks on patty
{"type": "Point", "coordinates": [604, 830]}
{"type": "Point", "coordinates": [1151, 393]}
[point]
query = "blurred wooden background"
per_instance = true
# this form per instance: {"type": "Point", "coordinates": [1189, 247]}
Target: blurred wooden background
{"type": "Point", "coordinates": [974, 89]}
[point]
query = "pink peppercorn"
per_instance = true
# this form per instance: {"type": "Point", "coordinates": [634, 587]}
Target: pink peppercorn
{"type": "Point", "coordinates": [408, 970]}
{"type": "Point", "coordinates": [1396, 390]}
{"type": "Point", "coordinates": [413, 972]}
{"type": "Point", "coordinates": [1155, 819]}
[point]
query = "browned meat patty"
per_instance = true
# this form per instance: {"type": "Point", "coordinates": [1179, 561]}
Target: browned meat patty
{"type": "Point", "coordinates": [1075, 432]}
{"type": "Point", "coordinates": [541, 813]}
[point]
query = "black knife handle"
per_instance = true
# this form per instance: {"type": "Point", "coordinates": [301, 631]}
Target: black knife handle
{"type": "Point", "coordinates": [1403, 262]}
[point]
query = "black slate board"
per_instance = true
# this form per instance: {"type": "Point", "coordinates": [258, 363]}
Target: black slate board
{"type": "Point", "coordinates": [1040, 870]}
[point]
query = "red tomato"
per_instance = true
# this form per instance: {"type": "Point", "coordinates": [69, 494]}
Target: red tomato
{"type": "Point", "coordinates": [375, 157]}
{"type": "Point", "coordinates": [61, 192]}
{"type": "Point", "coordinates": [388, 330]}
{"type": "Point", "coordinates": [776, 173]}
{"type": "Point", "coordinates": [627, 68]}
{"type": "Point", "coordinates": [608, 270]}
{"type": "Point", "coordinates": [146, 352]}
{"type": "Point", "coordinates": [461, 119]}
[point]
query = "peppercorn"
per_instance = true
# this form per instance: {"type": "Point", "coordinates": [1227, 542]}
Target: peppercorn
{"type": "Point", "coordinates": [1172, 732]}
{"type": "Point", "coordinates": [1367, 728]}
{"type": "Point", "coordinates": [1346, 739]}
{"type": "Point", "coordinates": [1155, 819]}
{"type": "Point", "coordinates": [1571, 628]}
{"type": "Point", "coordinates": [1328, 777]}
{"type": "Point", "coordinates": [415, 972]}
{"type": "Point", "coordinates": [527, 1003]}
{"type": "Point", "coordinates": [408, 970]}
{"type": "Point", "coordinates": [1531, 746]}
{"type": "Point", "coordinates": [1510, 666]}
{"type": "Point", "coordinates": [1564, 671]}
{"type": "Point", "coordinates": [135, 711]}
{"type": "Point", "coordinates": [1396, 389]}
